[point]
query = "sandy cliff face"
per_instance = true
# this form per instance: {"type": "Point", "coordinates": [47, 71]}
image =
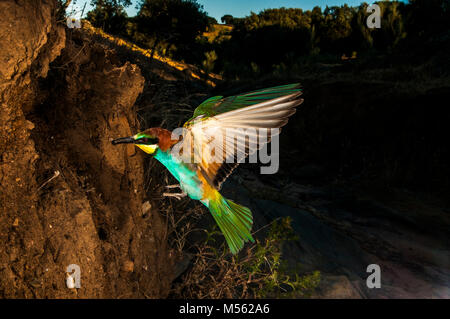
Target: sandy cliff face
{"type": "Point", "coordinates": [67, 195]}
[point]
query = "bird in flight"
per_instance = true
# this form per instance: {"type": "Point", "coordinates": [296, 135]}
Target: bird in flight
{"type": "Point", "coordinates": [203, 153]}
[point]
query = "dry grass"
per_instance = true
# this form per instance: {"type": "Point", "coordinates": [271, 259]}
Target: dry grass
{"type": "Point", "coordinates": [218, 33]}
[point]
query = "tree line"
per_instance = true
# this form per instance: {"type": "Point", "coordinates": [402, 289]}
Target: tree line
{"type": "Point", "coordinates": [273, 38]}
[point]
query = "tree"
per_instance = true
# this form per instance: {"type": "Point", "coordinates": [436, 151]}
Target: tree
{"type": "Point", "coordinates": [212, 20]}
{"type": "Point", "coordinates": [175, 23]}
{"type": "Point", "coordinates": [227, 19]}
{"type": "Point", "coordinates": [337, 27]}
{"type": "Point", "coordinates": [361, 37]}
{"type": "Point", "coordinates": [109, 15]}
{"type": "Point", "coordinates": [427, 17]}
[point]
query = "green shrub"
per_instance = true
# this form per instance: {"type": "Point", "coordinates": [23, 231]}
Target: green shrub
{"type": "Point", "coordinates": [257, 272]}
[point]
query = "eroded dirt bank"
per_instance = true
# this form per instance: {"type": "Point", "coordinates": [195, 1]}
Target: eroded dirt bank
{"type": "Point", "coordinates": [67, 196]}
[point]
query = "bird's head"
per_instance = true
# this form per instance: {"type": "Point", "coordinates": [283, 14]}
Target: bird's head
{"type": "Point", "coordinates": [147, 141]}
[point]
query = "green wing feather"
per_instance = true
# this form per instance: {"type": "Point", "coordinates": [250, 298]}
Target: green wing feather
{"type": "Point", "coordinates": [218, 104]}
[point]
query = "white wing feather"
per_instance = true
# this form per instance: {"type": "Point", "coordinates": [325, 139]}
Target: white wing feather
{"type": "Point", "coordinates": [209, 139]}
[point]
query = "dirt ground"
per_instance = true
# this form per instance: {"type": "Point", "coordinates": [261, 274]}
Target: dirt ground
{"type": "Point", "coordinates": [67, 195]}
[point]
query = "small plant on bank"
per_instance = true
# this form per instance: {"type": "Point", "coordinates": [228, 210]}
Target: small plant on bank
{"type": "Point", "coordinates": [258, 272]}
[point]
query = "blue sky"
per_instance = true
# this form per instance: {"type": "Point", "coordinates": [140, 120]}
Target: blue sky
{"type": "Point", "coordinates": [239, 8]}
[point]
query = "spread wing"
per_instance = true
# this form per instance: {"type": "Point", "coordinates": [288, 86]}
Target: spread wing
{"type": "Point", "coordinates": [224, 131]}
{"type": "Point", "coordinates": [218, 104]}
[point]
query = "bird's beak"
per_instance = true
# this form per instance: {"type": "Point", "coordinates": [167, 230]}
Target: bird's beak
{"type": "Point", "coordinates": [123, 140]}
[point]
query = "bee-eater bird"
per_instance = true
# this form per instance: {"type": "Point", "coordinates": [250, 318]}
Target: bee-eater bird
{"type": "Point", "coordinates": [253, 112]}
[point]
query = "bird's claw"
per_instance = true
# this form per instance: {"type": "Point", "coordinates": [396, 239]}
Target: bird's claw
{"type": "Point", "coordinates": [173, 186]}
{"type": "Point", "coordinates": [178, 196]}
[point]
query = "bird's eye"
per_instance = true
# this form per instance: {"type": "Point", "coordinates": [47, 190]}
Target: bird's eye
{"type": "Point", "coordinates": [144, 140]}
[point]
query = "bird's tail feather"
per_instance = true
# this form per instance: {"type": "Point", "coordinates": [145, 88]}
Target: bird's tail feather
{"type": "Point", "coordinates": [235, 221]}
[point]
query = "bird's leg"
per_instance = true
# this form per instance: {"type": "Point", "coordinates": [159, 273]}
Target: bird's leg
{"type": "Point", "coordinates": [173, 186]}
{"type": "Point", "coordinates": [176, 195]}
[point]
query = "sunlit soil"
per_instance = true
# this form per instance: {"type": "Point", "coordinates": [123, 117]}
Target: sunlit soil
{"type": "Point", "coordinates": [184, 67]}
